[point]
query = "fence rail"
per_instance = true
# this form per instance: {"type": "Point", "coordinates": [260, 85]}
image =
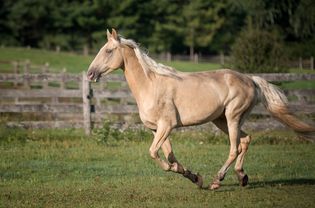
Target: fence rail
{"type": "Point", "coordinates": [85, 104]}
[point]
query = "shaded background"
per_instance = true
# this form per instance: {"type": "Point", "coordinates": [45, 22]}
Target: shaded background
{"type": "Point", "coordinates": [178, 27]}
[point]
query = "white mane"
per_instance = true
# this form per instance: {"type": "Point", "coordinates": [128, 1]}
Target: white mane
{"type": "Point", "coordinates": [147, 63]}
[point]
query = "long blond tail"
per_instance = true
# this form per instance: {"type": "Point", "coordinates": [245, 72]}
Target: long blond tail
{"type": "Point", "coordinates": [277, 104]}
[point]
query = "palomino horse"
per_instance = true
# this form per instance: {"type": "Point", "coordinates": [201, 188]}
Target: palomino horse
{"type": "Point", "coordinates": [168, 99]}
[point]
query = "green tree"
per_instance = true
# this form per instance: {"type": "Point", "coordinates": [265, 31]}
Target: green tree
{"type": "Point", "coordinates": [167, 36]}
{"type": "Point", "coordinates": [256, 50]}
{"type": "Point", "coordinates": [201, 20]}
{"type": "Point", "coordinates": [294, 19]}
{"type": "Point", "coordinates": [29, 20]}
{"type": "Point", "coordinates": [133, 19]}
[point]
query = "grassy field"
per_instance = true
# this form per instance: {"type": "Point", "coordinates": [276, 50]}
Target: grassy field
{"type": "Point", "coordinates": [65, 169]}
{"type": "Point", "coordinates": [73, 62]}
{"type": "Point", "coordinates": [77, 63]}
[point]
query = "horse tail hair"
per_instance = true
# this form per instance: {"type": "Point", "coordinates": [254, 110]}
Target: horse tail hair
{"type": "Point", "coordinates": [277, 104]}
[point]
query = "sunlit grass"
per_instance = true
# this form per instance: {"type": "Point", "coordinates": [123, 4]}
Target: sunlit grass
{"type": "Point", "coordinates": [298, 85]}
{"type": "Point", "coordinates": [75, 63]}
{"type": "Point", "coordinates": [77, 171]}
{"type": "Point", "coordinates": [57, 61]}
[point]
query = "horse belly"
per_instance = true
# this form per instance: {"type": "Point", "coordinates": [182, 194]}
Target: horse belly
{"type": "Point", "coordinates": [198, 110]}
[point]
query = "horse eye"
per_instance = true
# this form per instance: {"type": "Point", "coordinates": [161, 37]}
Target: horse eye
{"type": "Point", "coordinates": [109, 50]}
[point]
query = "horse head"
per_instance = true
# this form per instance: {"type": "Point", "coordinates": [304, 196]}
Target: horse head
{"type": "Point", "coordinates": [108, 59]}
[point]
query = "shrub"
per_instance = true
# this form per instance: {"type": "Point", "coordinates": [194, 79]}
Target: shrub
{"type": "Point", "coordinates": [256, 50]}
{"type": "Point", "coordinates": [109, 134]}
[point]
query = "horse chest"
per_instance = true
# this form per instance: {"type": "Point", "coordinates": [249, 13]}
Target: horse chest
{"type": "Point", "coordinates": [150, 115]}
{"type": "Point", "coordinates": [148, 118]}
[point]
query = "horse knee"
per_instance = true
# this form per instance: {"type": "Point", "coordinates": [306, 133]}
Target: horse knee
{"type": "Point", "coordinates": [245, 141]}
{"type": "Point", "coordinates": [153, 154]}
{"type": "Point", "coordinates": [233, 155]}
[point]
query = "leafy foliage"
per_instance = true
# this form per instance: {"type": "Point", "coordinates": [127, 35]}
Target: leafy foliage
{"type": "Point", "coordinates": [199, 26]}
{"type": "Point", "coordinates": [258, 51]}
{"type": "Point", "coordinates": [201, 20]}
{"type": "Point", "coordinates": [108, 134]}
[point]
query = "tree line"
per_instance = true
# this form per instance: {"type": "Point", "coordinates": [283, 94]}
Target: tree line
{"type": "Point", "coordinates": [175, 26]}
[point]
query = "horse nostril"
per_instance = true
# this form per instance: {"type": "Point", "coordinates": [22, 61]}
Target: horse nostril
{"type": "Point", "coordinates": [90, 74]}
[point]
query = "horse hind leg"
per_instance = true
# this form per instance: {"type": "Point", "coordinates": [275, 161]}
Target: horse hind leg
{"type": "Point", "coordinates": [176, 167]}
{"type": "Point", "coordinates": [242, 149]}
{"type": "Point", "coordinates": [232, 126]}
{"type": "Point", "coordinates": [245, 139]}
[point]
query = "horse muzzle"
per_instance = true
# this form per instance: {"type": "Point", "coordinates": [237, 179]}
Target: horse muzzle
{"type": "Point", "coordinates": [93, 74]}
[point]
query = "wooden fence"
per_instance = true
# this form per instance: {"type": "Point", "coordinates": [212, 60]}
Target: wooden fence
{"type": "Point", "coordinates": [38, 100]}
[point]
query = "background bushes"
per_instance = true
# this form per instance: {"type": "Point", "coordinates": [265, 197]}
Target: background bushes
{"type": "Point", "coordinates": [256, 50]}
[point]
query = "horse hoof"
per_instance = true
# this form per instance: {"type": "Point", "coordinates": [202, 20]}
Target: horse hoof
{"type": "Point", "coordinates": [244, 180]}
{"type": "Point", "coordinates": [214, 186]}
{"type": "Point", "coordinates": [199, 182]}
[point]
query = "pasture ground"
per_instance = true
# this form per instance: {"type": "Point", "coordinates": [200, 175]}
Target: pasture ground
{"type": "Point", "coordinates": [47, 168]}
{"type": "Point", "coordinates": [75, 63]}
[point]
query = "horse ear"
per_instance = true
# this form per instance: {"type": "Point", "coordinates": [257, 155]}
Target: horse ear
{"type": "Point", "coordinates": [108, 34]}
{"type": "Point", "coordinates": [115, 34]}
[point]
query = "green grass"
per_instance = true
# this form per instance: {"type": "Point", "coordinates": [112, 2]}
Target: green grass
{"type": "Point", "coordinates": [77, 63]}
{"type": "Point", "coordinates": [66, 169]}
{"type": "Point", "coordinates": [303, 71]}
{"type": "Point", "coordinates": [187, 66]}
{"type": "Point", "coordinates": [298, 85]}
{"type": "Point", "coordinates": [72, 62]}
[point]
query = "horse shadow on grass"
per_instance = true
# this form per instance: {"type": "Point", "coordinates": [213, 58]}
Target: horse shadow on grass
{"type": "Point", "coordinates": [271, 183]}
{"type": "Point", "coordinates": [287, 182]}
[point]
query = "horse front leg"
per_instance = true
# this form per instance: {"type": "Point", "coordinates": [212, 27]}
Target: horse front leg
{"type": "Point", "coordinates": [160, 136]}
{"type": "Point", "coordinates": [176, 167]}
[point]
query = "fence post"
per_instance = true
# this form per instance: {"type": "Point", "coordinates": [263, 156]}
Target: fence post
{"type": "Point", "coordinates": [196, 58]}
{"type": "Point", "coordinates": [312, 63]}
{"type": "Point", "coordinates": [26, 81]}
{"type": "Point", "coordinates": [15, 67]}
{"type": "Point", "coordinates": [45, 70]}
{"type": "Point", "coordinates": [16, 71]}
{"type": "Point", "coordinates": [27, 66]}
{"type": "Point", "coordinates": [222, 58]}
{"type": "Point", "coordinates": [57, 49]}
{"type": "Point", "coordinates": [300, 63]}
{"type": "Point", "coordinates": [62, 81]}
{"type": "Point", "coordinates": [86, 87]}
{"type": "Point", "coordinates": [168, 56]}
{"type": "Point", "coordinates": [85, 50]}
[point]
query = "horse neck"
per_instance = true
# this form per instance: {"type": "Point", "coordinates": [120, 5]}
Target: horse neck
{"type": "Point", "coordinates": [137, 80]}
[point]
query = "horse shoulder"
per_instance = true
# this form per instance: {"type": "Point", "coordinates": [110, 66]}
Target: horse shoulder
{"type": "Point", "coordinates": [158, 104]}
